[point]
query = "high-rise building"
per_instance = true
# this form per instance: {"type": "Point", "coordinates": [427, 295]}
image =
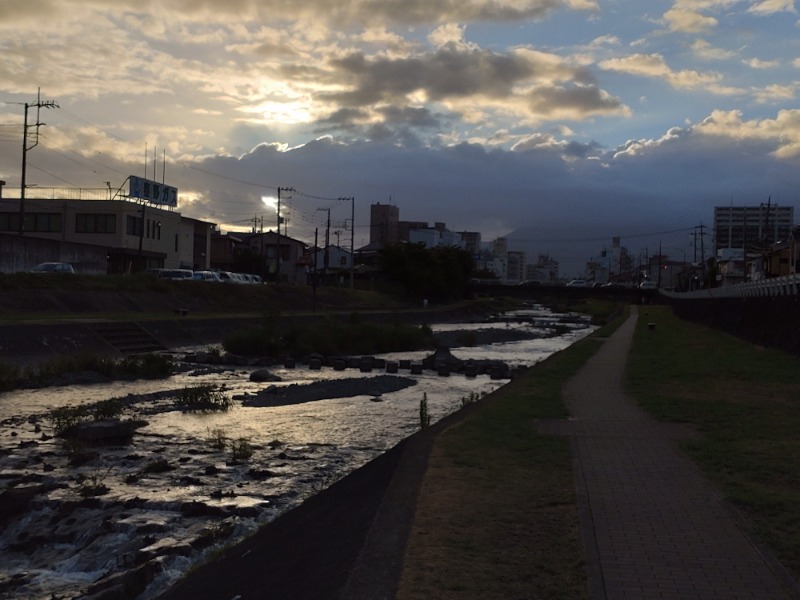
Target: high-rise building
{"type": "Point", "coordinates": [383, 224]}
{"type": "Point", "coordinates": [752, 227]}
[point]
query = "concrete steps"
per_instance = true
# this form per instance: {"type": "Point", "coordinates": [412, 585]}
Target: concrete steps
{"type": "Point", "coordinates": [128, 338]}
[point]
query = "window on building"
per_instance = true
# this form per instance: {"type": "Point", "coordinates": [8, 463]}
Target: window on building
{"type": "Point", "coordinates": [9, 221]}
{"type": "Point", "coordinates": [34, 222]}
{"type": "Point", "coordinates": [46, 223]}
{"type": "Point", "coordinates": [133, 225]}
{"type": "Point", "coordinates": [95, 223]}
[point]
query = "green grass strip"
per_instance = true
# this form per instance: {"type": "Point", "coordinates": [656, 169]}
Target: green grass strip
{"type": "Point", "coordinates": [744, 401]}
{"type": "Point", "coordinates": [497, 512]}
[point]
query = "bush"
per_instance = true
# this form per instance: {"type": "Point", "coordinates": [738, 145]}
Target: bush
{"type": "Point", "coordinates": [218, 439]}
{"type": "Point", "coordinates": [67, 416]}
{"type": "Point", "coordinates": [205, 398]}
{"type": "Point", "coordinates": [107, 409]}
{"type": "Point", "coordinates": [330, 337]}
{"type": "Point", "coordinates": [241, 450]}
{"type": "Point", "coordinates": [145, 366]}
{"type": "Point", "coordinates": [9, 375]}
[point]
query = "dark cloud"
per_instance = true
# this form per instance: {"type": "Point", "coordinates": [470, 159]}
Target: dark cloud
{"type": "Point", "coordinates": [577, 101]}
{"type": "Point", "coordinates": [449, 73]}
{"type": "Point", "coordinates": [412, 12]}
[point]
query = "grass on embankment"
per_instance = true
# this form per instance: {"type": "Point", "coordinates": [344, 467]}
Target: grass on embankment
{"type": "Point", "coordinates": [497, 513]}
{"type": "Point", "coordinates": [744, 401]}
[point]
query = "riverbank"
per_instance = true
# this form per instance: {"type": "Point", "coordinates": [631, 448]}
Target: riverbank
{"type": "Point", "coordinates": [178, 488]}
{"type": "Point", "coordinates": [482, 534]}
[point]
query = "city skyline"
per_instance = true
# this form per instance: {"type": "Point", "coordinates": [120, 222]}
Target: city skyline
{"type": "Point", "coordinates": [560, 120]}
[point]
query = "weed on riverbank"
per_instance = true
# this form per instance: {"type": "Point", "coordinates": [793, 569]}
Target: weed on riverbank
{"type": "Point", "coordinates": [744, 401]}
{"type": "Point", "coordinates": [61, 370]}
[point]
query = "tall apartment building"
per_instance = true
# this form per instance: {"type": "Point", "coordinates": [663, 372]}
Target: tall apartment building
{"type": "Point", "coordinates": [384, 224]}
{"type": "Point", "coordinates": [749, 227]}
{"type": "Point", "coordinates": [472, 242]}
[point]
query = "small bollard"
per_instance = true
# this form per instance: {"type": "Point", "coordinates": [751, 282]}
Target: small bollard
{"type": "Point", "coordinates": [651, 326]}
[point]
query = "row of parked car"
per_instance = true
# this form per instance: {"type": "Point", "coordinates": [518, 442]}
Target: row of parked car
{"type": "Point", "coordinates": [210, 276]}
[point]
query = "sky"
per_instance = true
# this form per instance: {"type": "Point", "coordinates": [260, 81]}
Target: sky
{"type": "Point", "coordinates": [557, 123]}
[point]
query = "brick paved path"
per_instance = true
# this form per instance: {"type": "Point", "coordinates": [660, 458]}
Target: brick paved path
{"type": "Point", "coordinates": [654, 527]}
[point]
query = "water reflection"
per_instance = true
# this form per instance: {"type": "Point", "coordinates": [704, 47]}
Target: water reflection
{"type": "Point", "coordinates": [173, 480]}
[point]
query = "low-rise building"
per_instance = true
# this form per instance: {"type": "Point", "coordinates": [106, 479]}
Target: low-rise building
{"type": "Point", "coordinates": [136, 235]}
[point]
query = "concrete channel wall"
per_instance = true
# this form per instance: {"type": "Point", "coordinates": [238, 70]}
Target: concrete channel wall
{"type": "Point", "coordinates": [29, 343]}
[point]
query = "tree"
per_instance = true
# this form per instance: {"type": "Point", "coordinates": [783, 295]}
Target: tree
{"type": "Point", "coordinates": [440, 273]}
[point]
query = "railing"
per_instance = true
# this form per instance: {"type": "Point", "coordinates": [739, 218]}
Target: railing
{"type": "Point", "coordinates": [62, 193]}
{"type": "Point", "coordinates": [788, 285]}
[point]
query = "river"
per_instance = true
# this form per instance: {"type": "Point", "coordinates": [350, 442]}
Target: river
{"type": "Point", "coordinates": [174, 493]}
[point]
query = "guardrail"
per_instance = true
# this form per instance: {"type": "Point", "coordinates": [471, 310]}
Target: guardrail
{"type": "Point", "coordinates": [788, 285]}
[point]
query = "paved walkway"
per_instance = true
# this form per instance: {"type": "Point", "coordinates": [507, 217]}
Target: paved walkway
{"type": "Point", "coordinates": [654, 527]}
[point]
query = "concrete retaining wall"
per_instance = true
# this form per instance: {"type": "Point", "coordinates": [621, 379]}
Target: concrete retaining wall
{"type": "Point", "coordinates": [19, 254]}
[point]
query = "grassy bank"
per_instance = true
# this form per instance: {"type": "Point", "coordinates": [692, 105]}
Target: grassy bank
{"type": "Point", "coordinates": [498, 515]}
{"type": "Point", "coordinates": [745, 403]}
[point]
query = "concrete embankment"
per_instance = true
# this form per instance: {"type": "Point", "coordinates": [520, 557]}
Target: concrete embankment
{"type": "Point", "coordinates": [31, 343]}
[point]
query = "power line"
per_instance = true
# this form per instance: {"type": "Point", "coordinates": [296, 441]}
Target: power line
{"type": "Point", "coordinates": [75, 117]}
{"type": "Point", "coordinates": [600, 239]}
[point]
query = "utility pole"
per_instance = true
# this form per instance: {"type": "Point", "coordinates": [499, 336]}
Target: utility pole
{"type": "Point", "coordinates": [659, 265]}
{"type": "Point", "coordinates": [352, 238]}
{"type": "Point", "coordinates": [39, 104]}
{"type": "Point", "coordinates": [278, 245]}
{"type": "Point", "coordinates": [141, 238]}
{"type": "Point", "coordinates": [326, 250]}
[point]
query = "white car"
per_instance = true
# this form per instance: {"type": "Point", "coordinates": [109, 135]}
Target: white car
{"type": "Point", "coordinates": [580, 283]}
{"type": "Point", "coordinates": [648, 285]}
{"type": "Point", "coordinates": [211, 276]}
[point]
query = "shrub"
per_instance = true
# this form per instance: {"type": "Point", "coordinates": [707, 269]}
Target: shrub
{"type": "Point", "coordinates": [9, 375]}
{"type": "Point", "coordinates": [241, 450]}
{"type": "Point", "coordinates": [218, 439]}
{"type": "Point", "coordinates": [146, 366]}
{"type": "Point", "coordinates": [92, 485]}
{"type": "Point", "coordinates": [108, 409]}
{"type": "Point", "coordinates": [330, 337]}
{"type": "Point", "coordinates": [67, 416]}
{"type": "Point", "coordinates": [204, 398]}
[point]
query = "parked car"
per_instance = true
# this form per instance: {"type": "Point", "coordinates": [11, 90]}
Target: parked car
{"type": "Point", "coordinates": [210, 276]}
{"type": "Point", "coordinates": [581, 283]}
{"type": "Point", "coordinates": [53, 267]}
{"type": "Point", "coordinates": [176, 274]}
{"type": "Point", "coordinates": [228, 277]}
{"type": "Point", "coordinates": [648, 285]}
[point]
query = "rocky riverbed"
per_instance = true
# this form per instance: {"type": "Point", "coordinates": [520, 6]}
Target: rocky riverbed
{"type": "Point", "coordinates": [123, 517]}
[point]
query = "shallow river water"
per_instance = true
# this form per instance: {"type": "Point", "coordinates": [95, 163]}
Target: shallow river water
{"type": "Point", "coordinates": [172, 495]}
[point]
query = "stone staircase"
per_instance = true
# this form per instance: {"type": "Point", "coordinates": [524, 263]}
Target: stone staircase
{"type": "Point", "coordinates": [128, 338]}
